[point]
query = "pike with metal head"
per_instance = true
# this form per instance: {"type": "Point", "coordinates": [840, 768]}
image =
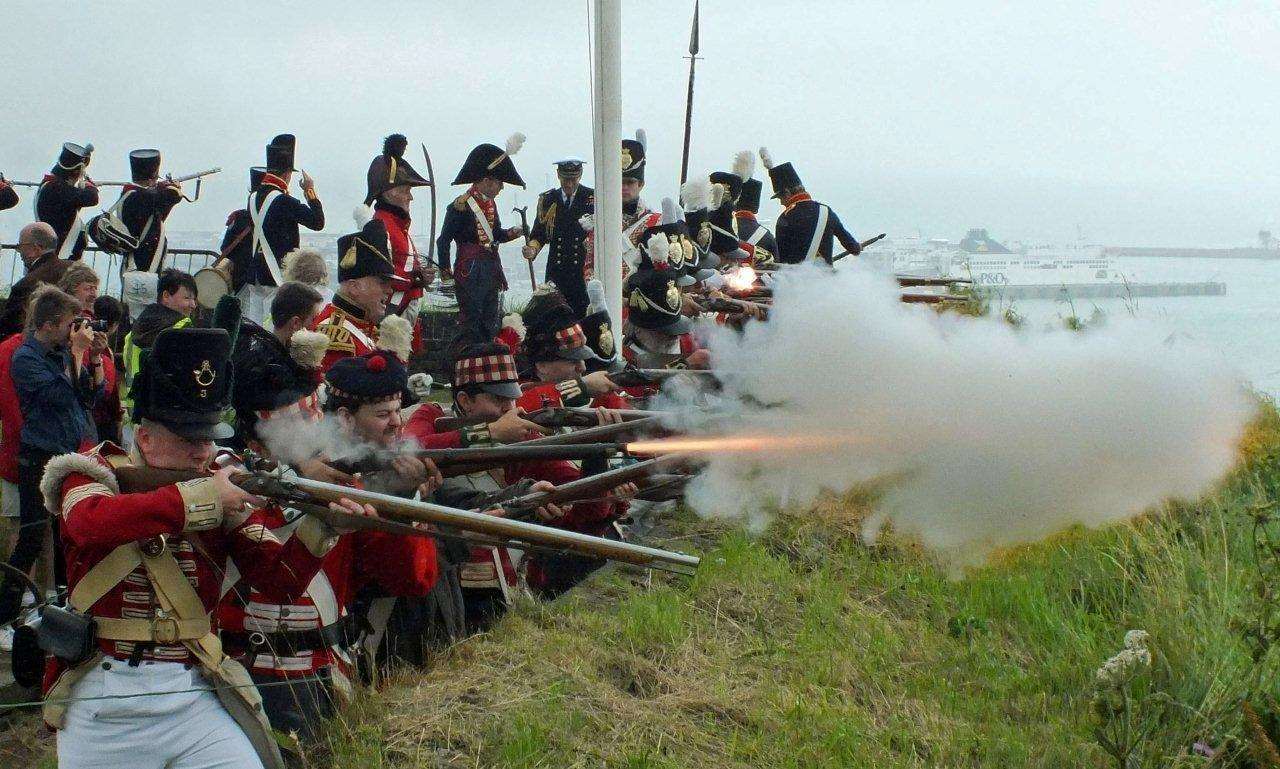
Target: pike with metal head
{"type": "Point", "coordinates": [688, 106]}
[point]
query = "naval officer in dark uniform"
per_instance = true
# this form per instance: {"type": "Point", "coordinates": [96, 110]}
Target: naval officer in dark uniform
{"type": "Point", "coordinates": [557, 226]}
{"type": "Point", "coordinates": [806, 227]}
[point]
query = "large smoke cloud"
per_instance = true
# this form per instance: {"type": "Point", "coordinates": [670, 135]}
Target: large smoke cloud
{"type": "Point", "coordinates": [992, 435]}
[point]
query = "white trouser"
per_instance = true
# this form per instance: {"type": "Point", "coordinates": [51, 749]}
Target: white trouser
{"type": "Point", "coordinates": [191, 730]}
{"type": "Point", "coordinates": [255, 302]}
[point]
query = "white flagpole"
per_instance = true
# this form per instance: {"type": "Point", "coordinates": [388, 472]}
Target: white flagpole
{"type": "Point", "coordinates": [607, 136]}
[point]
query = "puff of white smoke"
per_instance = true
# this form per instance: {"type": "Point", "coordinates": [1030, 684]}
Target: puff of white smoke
{"type": "Point", "coordinates": [293, 439]}
{"type": "Point", "coordinates": [993, 436]}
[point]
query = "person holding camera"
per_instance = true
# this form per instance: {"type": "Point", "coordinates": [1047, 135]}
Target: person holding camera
{"type": "Point", "coordinates": [59, 377]}
{"type": "Point", "coordinates": [82, 283]}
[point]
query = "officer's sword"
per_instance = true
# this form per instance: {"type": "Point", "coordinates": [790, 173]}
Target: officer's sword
{"type": "Point", "coordinates": [524, 228]}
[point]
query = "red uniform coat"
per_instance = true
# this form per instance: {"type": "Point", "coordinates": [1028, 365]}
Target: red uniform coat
{"type": "Point", "coordinates": [349, 333]}
{"type": "Point", "coordinates": [399, 565]}
{"type": "Point", "coordinates": [97, 519]}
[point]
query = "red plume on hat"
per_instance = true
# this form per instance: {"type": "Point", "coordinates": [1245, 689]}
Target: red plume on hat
{"type": "Point", "coordinates": [512, 333]}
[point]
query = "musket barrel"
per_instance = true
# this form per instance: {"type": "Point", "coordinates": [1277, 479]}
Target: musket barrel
{"type": "Point", "coordinates": [517, 452]}
{"type": "Point", "coordinates": [196, 175]}
{"type": "Point", "coordinates": [588, 434]}
{"type": "Point", "coordinates": [485, 525]}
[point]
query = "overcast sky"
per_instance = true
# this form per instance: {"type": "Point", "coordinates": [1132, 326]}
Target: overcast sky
{"type": "Point", "coordinates": [1139, 123]}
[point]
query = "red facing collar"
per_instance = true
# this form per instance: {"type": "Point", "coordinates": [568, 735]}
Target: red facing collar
{"type": "Point", "coordinates": [799, 197]}
{"type": "Point", "coordinates": [744, 214]}
{"type": "Point", "coordinates": [271, 180]}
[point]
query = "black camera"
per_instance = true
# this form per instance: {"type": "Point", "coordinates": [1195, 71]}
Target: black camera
{"type": "Point", "coordinates": [100, 326]}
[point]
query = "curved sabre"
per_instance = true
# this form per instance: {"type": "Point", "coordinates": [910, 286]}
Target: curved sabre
{"type": "Point", "coordinates": [431, 177]}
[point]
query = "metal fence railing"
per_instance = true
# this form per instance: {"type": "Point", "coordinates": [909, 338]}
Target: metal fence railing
{"type": "Point", "coordinates": [107, 265]}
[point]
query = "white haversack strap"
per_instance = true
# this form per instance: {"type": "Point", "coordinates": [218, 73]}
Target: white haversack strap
{"type": "Point", "coordinates": [818, 232]}
{"type": "Point", "coordinates": [258, 215]}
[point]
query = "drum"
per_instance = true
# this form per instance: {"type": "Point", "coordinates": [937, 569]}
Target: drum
{"type": "Point", "coordinates": [213, 283]}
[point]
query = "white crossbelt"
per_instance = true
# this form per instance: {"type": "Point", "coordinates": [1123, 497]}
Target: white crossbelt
{"type": "Point", "coordinates": [818, 232]}
{"type": "Point", "coordinates": [259, 215]}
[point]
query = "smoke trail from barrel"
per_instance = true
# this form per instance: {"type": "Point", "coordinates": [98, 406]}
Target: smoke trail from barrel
{"type": "Point", "coordinates": [993, 435]}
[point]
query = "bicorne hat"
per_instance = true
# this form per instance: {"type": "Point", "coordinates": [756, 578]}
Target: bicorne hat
{"type": "Point", "coordinates": [492, 160]}
{"type": "Point", "coordinates": [365, 253]}
{"type": "Point", "coordinates": [390, 169]}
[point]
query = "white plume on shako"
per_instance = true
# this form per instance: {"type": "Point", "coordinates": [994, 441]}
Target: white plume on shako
{"type": "Point", "coordinates": [986, 435]}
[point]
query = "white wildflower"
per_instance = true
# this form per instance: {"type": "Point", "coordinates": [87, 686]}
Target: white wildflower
{"type": "Point", "coordinates": [1136, 639]}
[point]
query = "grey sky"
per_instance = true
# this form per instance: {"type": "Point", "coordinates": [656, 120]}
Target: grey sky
{"type": "Point", "coordinates": [1142, 122]}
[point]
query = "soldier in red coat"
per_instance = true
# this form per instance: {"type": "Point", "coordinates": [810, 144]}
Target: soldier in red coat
{"type": "Point", "coordinates": [555, 353]}
{"type": "Point", "coordinates": [304, 649]}
{"type": "Point", "coordinates": [390, 184]}
{"type": "Point", "coordinates": [357, 321]}
{"type": "Point", "coordinates": [486, 385]}
{"type": "Point", "coordinates": [147, 566]}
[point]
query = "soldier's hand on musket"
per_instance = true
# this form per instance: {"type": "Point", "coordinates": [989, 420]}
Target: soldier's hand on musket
{"type": "Point", "coordinates": [514, 232]}
{"type": "Point", "coordinates": [232, 497]}
{"type": "Point", "coordinates": [351, 507]}
{"type": "Point", "coordinates": [699, 359]}
{"type": "Point", "coordinates": [317, 470]}
{"type": "Point", "coordinates": [512, 427]}
{"type": "Point", "coordinates": [608, 416]}
{"type": "Point", "coordinates": [547, 513]}
{"type": "Point", "coordinates": [308, 184]}
{"type": "Point", "coordinates": [598, 382]}
{"type": "Point", "coordinates": [529, 252]}
{"type": "Point", "coordinates": [624, 492]}
{"type": "Point", "coordinates": [414, 470]}
{"type": "Point", "coordinates": [688, 306]}
{"type": "Point", "coordinates": [435, 479]}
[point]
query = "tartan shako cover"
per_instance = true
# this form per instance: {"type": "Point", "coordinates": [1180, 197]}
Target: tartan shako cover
{"type": "Point", "coordinates": [571, 337]}
{"type": "Point", "coordinates": [485, 369]}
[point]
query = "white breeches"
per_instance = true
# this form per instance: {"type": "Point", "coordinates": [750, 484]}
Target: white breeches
{"type": "Point", "coordinates": [190, 730]}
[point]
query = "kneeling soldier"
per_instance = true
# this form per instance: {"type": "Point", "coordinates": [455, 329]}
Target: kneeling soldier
{"type": "Point", "coordinates": [154, 689]}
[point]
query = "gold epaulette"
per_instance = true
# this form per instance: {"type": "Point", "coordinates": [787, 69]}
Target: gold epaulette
{"type": "Point", "coordinates": [461, 202]}
{"type": "Point", "coordinates": [340, 339]}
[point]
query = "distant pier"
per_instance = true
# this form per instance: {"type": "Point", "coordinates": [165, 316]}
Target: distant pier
{"type": "Point", "coordinates": [1193, 253]}
{"type": "Point", "coordinates": [1105, 290]}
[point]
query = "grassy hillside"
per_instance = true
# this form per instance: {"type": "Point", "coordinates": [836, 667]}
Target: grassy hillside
{"type": "Point", "coordinates": [802, 647]}
{"type": "Point", "coordinates": [805, 648]}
